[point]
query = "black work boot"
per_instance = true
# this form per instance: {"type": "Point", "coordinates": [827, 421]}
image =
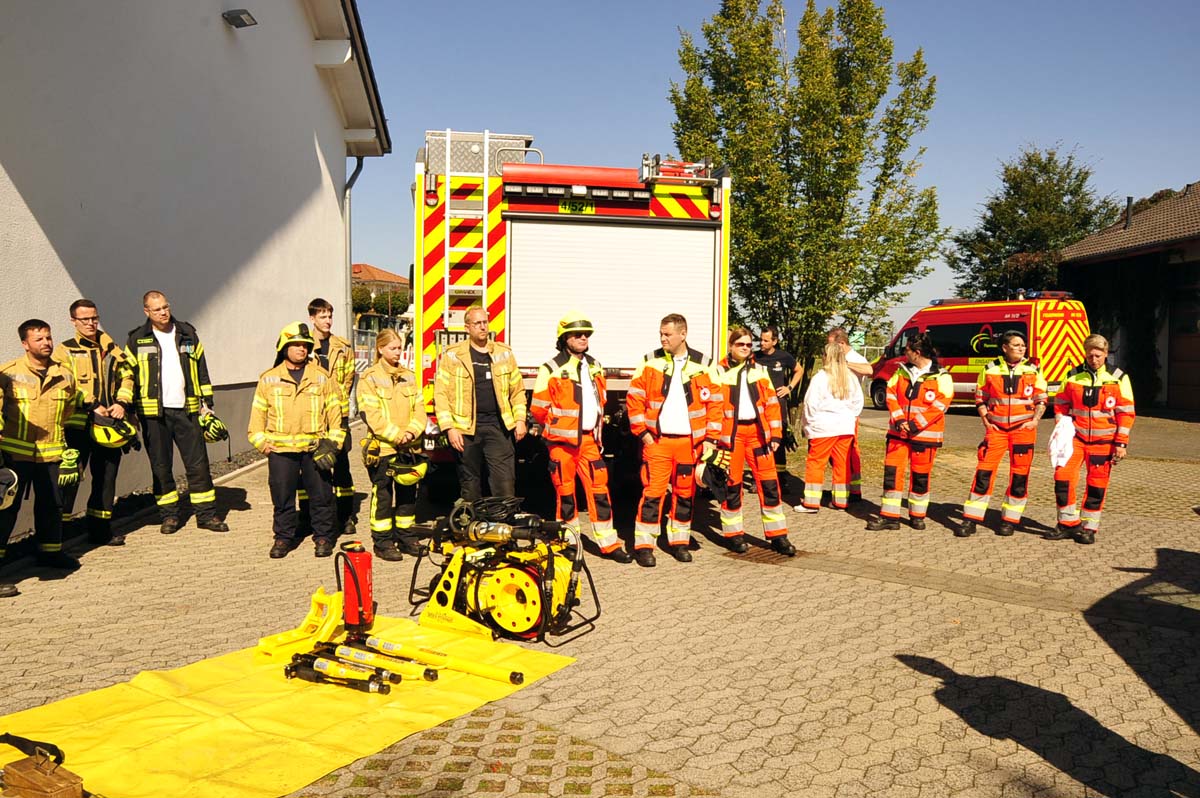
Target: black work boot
{"type": "Point", "coordinates": [738, 544]}
{"type": "Point", "coordinates": [681, 553]}
{"type": "Point", "coordinates": [388, 550]}
{"type": "Point", "coordinates": [280, 549]}
{"type": "Point", "coordinates": [8, 590]}
{"type": "Point", "coordinates": [1059, 532]}
{"type": "Point", "coordinates": [170, 525]}
{"type": "Point", "coordinates": [965, 529]}
{"type": "Point", "coordinates": [57, 559]}
{"type": "Point", "coordinates": [98, 531]}
{"type": "Point", "coordinates": [1006, 529]}
{"type": "Point", "coordinates": [881, 523]}
{"type": "Point", "coordinates": [323, 547]}
{"type": "Point", "coordinates": [618, 555]}
{"type": "Point", "coordinates": [1085, 536]}
{"type": "Point", "coordinates": [916, 523]}
{"type": "Point", "coordinates": [645, 558]}
{"type": "Point", "coordinates": [783, 546]}
{"type": "Point", "coordinates": [212, 524]}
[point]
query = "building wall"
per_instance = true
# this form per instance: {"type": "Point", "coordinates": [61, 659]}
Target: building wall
{"type": "Point", "coordinates": [146, 144]}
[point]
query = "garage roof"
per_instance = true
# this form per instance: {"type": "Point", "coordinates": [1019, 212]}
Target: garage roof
{"type": "Point", "coordinates": [1171, 221]}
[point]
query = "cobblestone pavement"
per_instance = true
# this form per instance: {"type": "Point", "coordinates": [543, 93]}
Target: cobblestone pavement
{"type": "Point", "coordinates": [890, 663]}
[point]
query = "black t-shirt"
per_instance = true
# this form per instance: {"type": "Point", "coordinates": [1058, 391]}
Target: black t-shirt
{"type": "Point", "coordinates": [297, 374]}
{"type": "Point", "coordinates": [779, 364]}
{"type": "Point", "coordinates": [487, 411]}
{"type": "Point", "coordinates": [322, 353]}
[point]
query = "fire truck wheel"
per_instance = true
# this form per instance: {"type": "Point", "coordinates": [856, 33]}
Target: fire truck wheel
{"type": "Point", "coordinates": [879, 394]}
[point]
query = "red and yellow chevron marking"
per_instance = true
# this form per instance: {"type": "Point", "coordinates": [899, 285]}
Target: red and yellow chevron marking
{"type": "Point", "coordinates": [680, 202]}
{"type": "Point", "coordinates": [464, 268]}
{"type": "Point", "coordinates": [1060, 327]}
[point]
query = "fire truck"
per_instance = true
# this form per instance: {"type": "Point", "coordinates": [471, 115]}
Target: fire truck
{"type": "Point", "coordinates": [496, 227]}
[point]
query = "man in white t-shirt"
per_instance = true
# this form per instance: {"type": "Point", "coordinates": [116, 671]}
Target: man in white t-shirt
{"type": "Point", "coordinates": [860, 367]}
{"type": "Point", "coordinates": [172, 390]}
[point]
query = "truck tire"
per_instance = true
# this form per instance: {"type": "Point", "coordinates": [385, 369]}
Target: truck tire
{"type": "Point", "coordinates": [879, 394]}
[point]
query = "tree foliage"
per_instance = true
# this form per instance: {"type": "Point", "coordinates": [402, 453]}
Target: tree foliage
{"type": "Point", "coordinates": [361, 301]}
{"type": "Point", "coordinates": [827, 220]}
{"type": "Point", "coordinates": [1045, 202]}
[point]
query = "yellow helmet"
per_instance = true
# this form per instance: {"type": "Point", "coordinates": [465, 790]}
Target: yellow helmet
{"type": "Point", "coordinates": [8, 487]}
{"type": "Point", "coordinates": [112, 433]}
{"type": "Point", "coordinates": [574, 322]}
{"type": "Point", "coordinates": [408, 467]}
{"type": "Point", "coordinates": [298, 332]}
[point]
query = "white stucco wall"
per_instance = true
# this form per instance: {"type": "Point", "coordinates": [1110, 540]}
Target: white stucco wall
{"type": "Point", "coordinates": [146, 144]}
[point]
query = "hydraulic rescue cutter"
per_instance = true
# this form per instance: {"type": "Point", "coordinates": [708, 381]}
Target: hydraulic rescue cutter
{"type": "Point", "coordinates": [503, 573]}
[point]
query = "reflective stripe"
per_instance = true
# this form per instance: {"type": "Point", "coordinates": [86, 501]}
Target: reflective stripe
{"type": "Point", "coordinates": [976, 506]}
{"type": "Point", "coordinates": [101, 514]}
{"type": "Point", "coordinates": [732, 522]}
{"type": "Point", "coordinates": [203, 497]}
{"type": "Point", "coordinates": [678, 534]}
{"type": "Point", "coordinates": [167, 498]}
{"type": "Point", "coordinates": [1012, 510]}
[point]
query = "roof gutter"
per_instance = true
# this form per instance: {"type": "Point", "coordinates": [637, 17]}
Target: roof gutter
{"type": "Point", "coordinates": [367, 73]}
{"type": "Point", "coordinates": [349, 310]}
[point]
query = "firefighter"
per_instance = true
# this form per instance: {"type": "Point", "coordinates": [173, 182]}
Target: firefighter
{"type": "Point", "coordinates": [918, 394]}
{"type": "Point", "coordinates": [296, 421]}
{"type": "Point", "coordinates": [480, 403]}
{"type": "Point", "coordinates": [860, 367]}
{"type": "Point", "coordinates": [674, 407]}
{"type": "Point", "coordinates": [392, 406]}
{"type": "Point", "coordinates": [105, 378]}
{"type": "Point", "coordinates": [37, 395]}
{"type": "Point", "coordinates": [752, 430]}
{"type": "Point", "coordinates": [1100, 403]}
{"type": "Point", "coordinates": [568, 404]}
{"type": "Point", "coordinates": [172, 391]}
{"type": "Point", "coordinates": [1010, 397]}
{"type": "Point", "coordinates": [335, 355]}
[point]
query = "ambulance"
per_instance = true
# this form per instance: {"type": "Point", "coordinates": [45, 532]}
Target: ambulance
{"type": "Point", "coordinates": [967, 334]}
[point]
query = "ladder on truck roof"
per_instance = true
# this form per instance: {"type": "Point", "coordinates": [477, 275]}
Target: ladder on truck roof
{"type": "Point", "coordinates": [469, 156]}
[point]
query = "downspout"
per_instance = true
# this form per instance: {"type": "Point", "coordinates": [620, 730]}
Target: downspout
{"type": "Point", "coordinates": [349, 312]}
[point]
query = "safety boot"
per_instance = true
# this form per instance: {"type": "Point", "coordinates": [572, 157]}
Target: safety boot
{"type": "Point", "coordinates": [783, 546]}
{"type": "Point", "coordinates": [645, 558]}
{"type": "Point", "coordinates": [212, 524]}
{"type": "Point", "coordinates": [169, 526]}
{"type": "Point", "coordinates": [8, 590]}
{"type": "Point", "coordinates": [280, 549]}
{"type": "Point", "coordinates": [412, 548]}
{"type": "Point", "coordinates": [1059, 532]}
{"type": "Point", "coordinates": [323, 547]}
{"type": "Point", "coordinates": [881, 523]}
{"type": "Point", "coordinates": [618, 555]}
{"type": "Point", "coordinates": [917, 523]}
{"type": "Point", "coordinates": [98, 531]}
{"type": "Point", "coordinates": [1006, 529]}
{"type": "Point", "coordinates": [681, 553]}
{"type": "Point", "coordinates": [1085, 536]}
{"type": "Point", "coordinates": [116, 540]}
{"type": "Point", "coordinates": [350, 526]}
{"type": "Point", "coordinates": [966, 528]}
{"type": "Point", "coordinates": [738, 544]}
{"type": "Point", "coordinates": [388, 550]}
{"type": "Point", "coordinates": [57, 559]}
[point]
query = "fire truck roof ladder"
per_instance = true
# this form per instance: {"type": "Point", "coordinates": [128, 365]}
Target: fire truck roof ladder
{"type": "Point", "coordinates": [465, 207]}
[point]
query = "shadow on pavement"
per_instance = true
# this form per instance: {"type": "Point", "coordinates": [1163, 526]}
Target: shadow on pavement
{"type": "Point", "coordinates": [1168, 662]}
{"type": "Point", "coordinates": [1049, 725]}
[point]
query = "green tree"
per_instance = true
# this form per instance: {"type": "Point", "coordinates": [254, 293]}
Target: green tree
{"type": "Point", "coordinates": [1045, 202]}
{"type": "Point", "coordinates": [827, 220]}
{"type": "Point", "coordinates": [361, 301]}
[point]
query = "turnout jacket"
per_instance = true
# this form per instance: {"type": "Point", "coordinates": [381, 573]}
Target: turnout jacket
{"type": "Point", "coordinates": [651, 382]}
{"type": "Point", "coordinates": [341, 368]}
{"type": "Point", "coordinates": [35, 410]}
{"type": "Point", "coordinates": [1010, 393]}
{"type": "Point", "coordinates": [558, 397]}
{"type": "Point", "coordinates": [390, 402]}
{"type": "Point", "coordinates": [923, 401]}
{"type": "Point", "coordinates": [1100, 403]}
{"type": "Point", "coordinates": [767, 414]}
{"type": "Point", "coordinates": [146, 358]}
{"type": "Point", "coordinates": [102, 372]}
{"type": "Point", "coordinates": [294, 416]}
{"type": "Point", "coordinates": [454, 387]}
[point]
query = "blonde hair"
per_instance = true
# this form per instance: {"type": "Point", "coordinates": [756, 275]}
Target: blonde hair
{"type": "Point", "coordinates": [838, 372]}
{"type": "Point", "coordinates": [1095, 341]}
{"type": "Point", "coordinates": [385, 337]}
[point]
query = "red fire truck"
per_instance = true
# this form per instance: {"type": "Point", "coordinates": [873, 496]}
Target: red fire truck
{"type": "Point", "coordinates": [498, 228]}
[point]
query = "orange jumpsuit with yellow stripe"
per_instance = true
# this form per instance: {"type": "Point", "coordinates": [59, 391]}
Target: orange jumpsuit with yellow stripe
{"type": "Point", "coordinates": [1011, 395]}
{"type": "Point", "coordinates": [1101, 406]}
{"type": "Point", "coordinates": [917, 406]}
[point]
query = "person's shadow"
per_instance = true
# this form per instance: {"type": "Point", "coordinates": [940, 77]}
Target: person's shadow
{"type": "Point", "coordinates": [1068, 738]}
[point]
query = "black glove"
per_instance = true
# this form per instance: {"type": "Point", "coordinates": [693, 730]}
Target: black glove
{"type": "Point", "coordinates": [325, 455]}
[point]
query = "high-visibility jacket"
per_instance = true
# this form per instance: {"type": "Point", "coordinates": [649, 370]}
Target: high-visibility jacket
{"type": "Point", "coordinates": [558, 398]}
{"type": "Point", "coordinates": [923, 401]}
{"type": "Point", "coordinates": [1099, 403]}
{"type": "Point", "coordinates": [767, 414]}
{"type": "Point", "coordinates": [340, 365]}
{"type": "Point", "coordinates": [454, 387]}
{"type": "Point", "coordinates": [146, 358]}
{"type": "Point", "coordinates": [391, 404]}
{"type": "Point", "coordinates": [1010, 393]}
{"type": "Point", "coordinates": [101, 369]}
{"type": "Point", "coordinates": [294, 416]}
{"type": "Point", "coordinates": [651, 382]}
{"type": "Point", "coordinates": [35, 410]}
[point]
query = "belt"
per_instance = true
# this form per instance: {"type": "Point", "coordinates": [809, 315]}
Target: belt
{"type": "Point", "coordinates": [744, 423]}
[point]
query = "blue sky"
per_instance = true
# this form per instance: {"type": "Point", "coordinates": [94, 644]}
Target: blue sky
{"type": "Point", "coordinates": [589, 82]}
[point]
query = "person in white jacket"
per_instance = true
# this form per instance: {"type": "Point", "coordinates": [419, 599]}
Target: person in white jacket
{"type": "Point", "coordinates": [832, 405]}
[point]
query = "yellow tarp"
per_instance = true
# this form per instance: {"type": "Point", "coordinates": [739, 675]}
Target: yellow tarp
{"type": "Point", "coordinates": [231, 726]}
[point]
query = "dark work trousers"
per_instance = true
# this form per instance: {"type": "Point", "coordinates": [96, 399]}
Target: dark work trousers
{"type": "Point", "coordinates": [781, 452]}
{"type": "Point", "coordinates": [176, 427]}
{"type": "Point", "coordinates": [393, 507]}
{"type": "Point", "coordinates": [287, 471]}
{"type": "Point", "coordinates": [105, 463]}
{"type": "Point", "coordinates": [47, 504]}
{"type": "Point", "coordinates": [343, 486]}
{"type": "Point", "coordinates": [492, 444]}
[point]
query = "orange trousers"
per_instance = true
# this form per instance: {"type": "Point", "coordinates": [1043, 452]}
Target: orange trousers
{"type": "Point", "coordinates": [919, 460]}
{"type": "Point", "coordinates": [586, 462]}
{"type": "Point", "coordinates": [855, 461]}
{"type": "Point", "coordinates": [668, 462]}
{"type": "Point", "coordinates": [834, 450]}
{"type": "Point", "coordinates": [1099, 462]}
{"type": "Point", "coordinates": [749, 446]}
{"type": "Point", "coordinates": [1019, 446]}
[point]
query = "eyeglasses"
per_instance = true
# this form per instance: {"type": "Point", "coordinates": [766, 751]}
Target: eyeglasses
{"type": "Point", "coordinates": [87, 319]}
{"type": "Point", "coordinates": [579, 335]}
{"type": "Point", "coordinates": [742, 343]}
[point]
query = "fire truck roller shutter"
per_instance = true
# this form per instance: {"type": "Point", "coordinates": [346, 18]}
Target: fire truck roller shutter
{"type": "Point", "coordinates": [624, 277]}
